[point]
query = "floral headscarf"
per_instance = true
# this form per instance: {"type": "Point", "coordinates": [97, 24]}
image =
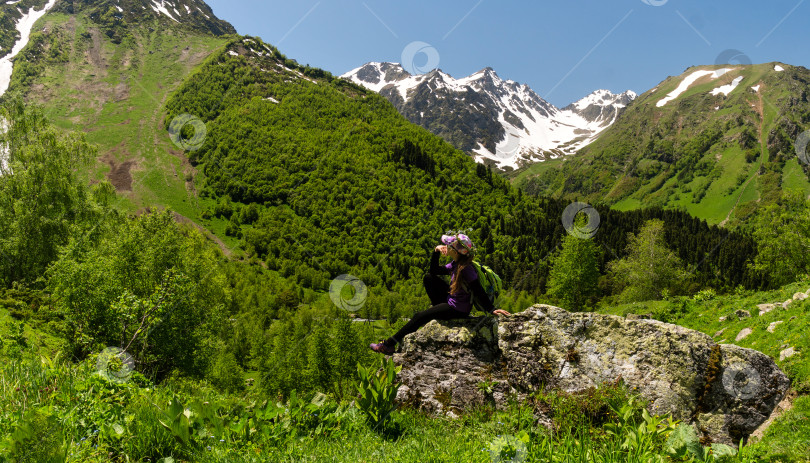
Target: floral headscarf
{"type": "Point", "coordinates": [460, 242]}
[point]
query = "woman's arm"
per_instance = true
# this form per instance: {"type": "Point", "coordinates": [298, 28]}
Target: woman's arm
{"type": "Point", "coordinates": [435, 268]}
{"type": "Point", "coordinates": [481, 295]}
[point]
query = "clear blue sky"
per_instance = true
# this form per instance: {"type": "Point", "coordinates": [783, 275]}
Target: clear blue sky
{"type": "Point", "coordinates": [563, 49]}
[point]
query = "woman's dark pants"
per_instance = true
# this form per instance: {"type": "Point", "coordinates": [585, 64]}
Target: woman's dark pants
{"type": "Point", "coordinates": [437, 290]}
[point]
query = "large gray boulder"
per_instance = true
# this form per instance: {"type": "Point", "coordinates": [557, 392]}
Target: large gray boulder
{"type": "Point", "coordinates": [725, 390]}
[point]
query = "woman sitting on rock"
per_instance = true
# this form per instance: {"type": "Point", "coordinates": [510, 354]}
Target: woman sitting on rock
{"type": "Point", "coordinates": [448, 301]}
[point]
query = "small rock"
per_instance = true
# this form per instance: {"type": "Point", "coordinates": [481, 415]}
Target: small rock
{"type": "Point", "coordinates": [721, 319]}
{"type": "Point", "coordinates": [786, 303]}
{"type": "Point", "coordinates": [743, 333]}
{"type": "Point", "coordinates": [799, 296]}
{"type": "Point", "coordinates": [740, 313]}
{"type": "Point", "coordinates": [765, 308]}
{"type": "Point", "coordinates": [719, 333]}
{"type": "Point", "coordinates": [792, 318]}
{"type": "Point", "coordinates": [773, 326]}
{"type": "Point", "coordinates": [789, 352]}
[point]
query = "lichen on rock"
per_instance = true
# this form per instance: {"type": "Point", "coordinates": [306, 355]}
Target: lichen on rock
{"type": "Point", "coordinates": [446, 363]}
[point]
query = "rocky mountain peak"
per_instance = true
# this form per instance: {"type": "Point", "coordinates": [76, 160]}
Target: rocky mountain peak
{"type": "Point", "coordinates": [499, 121]}
{"type": "Point", "coordinates": [602, 106]}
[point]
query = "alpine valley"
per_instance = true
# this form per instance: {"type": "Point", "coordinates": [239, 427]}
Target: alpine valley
{"type": "Point", "coordinates": [201, 237]}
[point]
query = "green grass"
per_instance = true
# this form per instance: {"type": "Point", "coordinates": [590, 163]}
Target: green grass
{"type": "Point", "coordinates": [601, 169]}
{"type": "Point", "coordinates": [793, 177]}
{"type": "Point", "coordinates": [627, 204]}
{"type": "Point", "coordinates": [99, 420]}
{"type": "Point", "coordinates": [118, 99]}
{"type": "Point", "coordinates": [788, 439]}
{"type": "Point", "coordinates": [86, 407]}
{"type": "Point", "coordinates": [721, 196]}
{"type": "Point", "coordinates": [521, 176]}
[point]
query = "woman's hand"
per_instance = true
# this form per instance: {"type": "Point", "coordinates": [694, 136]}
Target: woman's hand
{"type": "Point", "coordinates": [442, 249]}
{"type": "Point", "coordinates": [501, 312]}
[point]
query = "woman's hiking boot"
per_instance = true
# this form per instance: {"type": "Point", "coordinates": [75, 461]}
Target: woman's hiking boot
{"type": "Point", "coordinates": [382, 348]}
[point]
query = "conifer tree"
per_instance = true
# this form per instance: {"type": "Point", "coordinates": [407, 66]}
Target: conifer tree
{"type": "Point", "coordinates": [574, 272]}
{"type": "Point", "coordinates": [649, 268]}
{"type": "Point", "coordinates": [319, 367]}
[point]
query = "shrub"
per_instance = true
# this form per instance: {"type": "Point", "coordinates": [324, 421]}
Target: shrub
{"type": "Point", "coordinates": [226, 373]}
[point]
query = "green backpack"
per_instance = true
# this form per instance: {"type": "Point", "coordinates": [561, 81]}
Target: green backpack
{"type": "Point", "coordinates": [491, 283]}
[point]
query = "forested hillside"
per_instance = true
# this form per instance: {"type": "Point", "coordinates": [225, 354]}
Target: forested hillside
{"type": "Point", "coordinates": [133, 336]}
{"type": "Point", "coordinates": [321, 177]}
{"type": "Point", "coordinates": [175, 207]}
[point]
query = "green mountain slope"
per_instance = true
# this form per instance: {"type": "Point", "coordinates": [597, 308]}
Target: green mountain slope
{"type": "Point", "coordinates": [311, 174]}
{"type": "Point", "coordinates": [114, 93]}
{"type": "Point", "coordinates": [716, 156]}
{"type": "Point", "coordinates": [314, 177]}
{"type": "Point", "coordinates": [333, 180]}
{"type": "Point", "coordinates": [116, 17]}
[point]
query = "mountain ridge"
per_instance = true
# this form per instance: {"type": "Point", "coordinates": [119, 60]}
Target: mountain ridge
{"type": "Point", "coordinates": [717, 141]}
{"type": "Point", "coordinates": [115, 15]}
{"type": "Point", "coordinates": [501, 122]}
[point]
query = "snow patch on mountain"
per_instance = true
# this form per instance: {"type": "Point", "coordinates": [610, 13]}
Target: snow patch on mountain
{"type": "Point", "coordinates": [4, 151]}
{"type": "Point", "coordinates": [778, 68]}
{"type": "Point", "coordinates": [531, 129]}
{"type": "Point", "coordinates": [726, 89]}
{"type": "Point", "coordinates": [688, 81]}
{"type": "Point", "coordinates": [24, 26]}
{"type": "Point", "coordinates": [159, 6]}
